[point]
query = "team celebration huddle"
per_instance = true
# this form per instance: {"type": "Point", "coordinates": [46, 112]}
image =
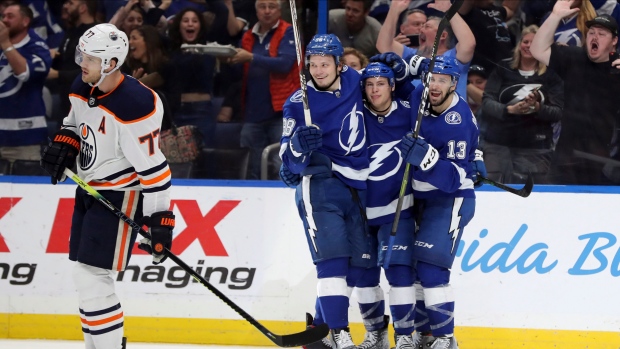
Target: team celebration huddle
{"type": "Point", "coordinates": [388, 128]}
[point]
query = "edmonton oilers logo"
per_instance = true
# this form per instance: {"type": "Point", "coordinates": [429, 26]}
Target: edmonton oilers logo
{"type": "Point", "coordinates": [88, 151]}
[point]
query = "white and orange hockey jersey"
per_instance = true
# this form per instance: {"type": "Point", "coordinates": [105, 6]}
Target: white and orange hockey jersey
{"type": "Point", "coordinates": [119, 131]}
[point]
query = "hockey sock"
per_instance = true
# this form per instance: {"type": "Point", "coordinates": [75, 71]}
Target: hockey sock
{"type": "Point", "coordinates": [100, 310]}
{"type": "Point", "coordinates": [402, 298]}
{"type": "Point", "coordinates": [318, 313]}
{"type": "Point", "coordinates": [422, 323]}
{"type": "Point", "coordinates": [332, 291]}
{"type": "Point", "coordinates": [371, 299]}
{"type": "Point", "coordinates": [440, 308]}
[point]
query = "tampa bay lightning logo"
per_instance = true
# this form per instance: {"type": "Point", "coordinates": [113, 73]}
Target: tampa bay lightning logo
{"type": "Point", "coordinates": [352, 136]}
{"type": "Point", "coordinates": [385, 160]}
{"type": "Point", "coordinates": [453, 118]}
{"type": "Point", "coordinates": [297, 97]}
{"type": "Point", "coordinates": [9, 84]}
{"type": "Point", "coordinates": [88, 151]}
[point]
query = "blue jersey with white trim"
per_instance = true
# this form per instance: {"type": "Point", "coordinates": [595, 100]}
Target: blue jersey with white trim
{"type": "Point", "coordinates": [22, 118]}
{"type": "Point", "coordinates": [387, 166]}
{"type": "Point", "coordinates": [119, 134]}
{"type": "Point", "coordinates": [340, 115]}
{"type": "Point", "coordinates": [454, 133]}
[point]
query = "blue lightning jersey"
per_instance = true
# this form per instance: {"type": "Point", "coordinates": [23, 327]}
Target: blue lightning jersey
{"type": "Point", "coordinates": [387, 166]}
{"type": "Point", "coordinates": [340, 115]}
{"type": "Point", "coordinates": [454, 133]}
{"type": "Point", "coordinates": [22, 121]}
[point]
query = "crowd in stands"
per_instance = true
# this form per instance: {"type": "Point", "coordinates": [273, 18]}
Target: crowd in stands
{"type": "Point", "coordinates": [528, 101]}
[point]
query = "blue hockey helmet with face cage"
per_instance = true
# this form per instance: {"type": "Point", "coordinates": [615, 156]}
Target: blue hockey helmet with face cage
{"type": "Point", "coordinates": [375, 69]}
{"type": "Point", "coordinates": [324, 45]}
{"type": "Point", "coordinates": [447, 66]}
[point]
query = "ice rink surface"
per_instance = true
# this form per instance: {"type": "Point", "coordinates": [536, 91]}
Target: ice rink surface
{"type": "Point", "coordinates": [49, 344]}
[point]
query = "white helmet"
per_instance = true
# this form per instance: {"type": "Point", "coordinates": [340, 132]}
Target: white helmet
{"type": "Point", "coordinates": [106, 42]}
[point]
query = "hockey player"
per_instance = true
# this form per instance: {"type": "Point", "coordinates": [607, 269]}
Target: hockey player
{"type": "Point", "coordinates": [388, 119]}
{"type": "Point", "coordinates": [112, 131]}
{"type": "Point", "coordinates": [331, 156]}
{"type": "Point", "coordinates": [443, 172]}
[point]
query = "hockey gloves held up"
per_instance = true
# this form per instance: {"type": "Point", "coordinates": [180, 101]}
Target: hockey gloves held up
{"type": "Point", "coordinates": [306, 139]}
{"type": "Point", "coordinates": [392, 60]}
{"type": "Point", "coordinates": [418, 152]}
{"type": "Point", "coordinates": [160, 226]}
{"type": "Point", "coordinates": [417, 65]}
{"type": "Point", "coordinates": [479, 169]}
{"type": "Point", "coordinates": [60, 153]}
{"type": "Point", "coordinates": [289, 178]}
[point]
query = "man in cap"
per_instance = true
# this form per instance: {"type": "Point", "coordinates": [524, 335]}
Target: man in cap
{"type": "Point", "coordinates": [589, 135]}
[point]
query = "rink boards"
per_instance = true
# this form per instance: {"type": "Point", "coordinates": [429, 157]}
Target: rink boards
{"type": "Point", "coordinates": [540, 272]}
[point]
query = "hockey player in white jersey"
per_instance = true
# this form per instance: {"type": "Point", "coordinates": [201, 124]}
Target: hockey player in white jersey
{"type": "Point", "coordinates": [444, 170]}
{"type": "Point", "coordinates": [112, 132]}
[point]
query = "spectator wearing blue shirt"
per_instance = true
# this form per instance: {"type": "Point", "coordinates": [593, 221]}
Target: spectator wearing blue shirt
{"type": "Point", "coordinates": [24, 63]}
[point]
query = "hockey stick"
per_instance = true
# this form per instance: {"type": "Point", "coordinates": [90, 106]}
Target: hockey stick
{"type": "Point", "coordinates": [421, 109]}
{"type": "Point", "coordinates": [308, 336]}
{"type": "Point", "coordinates": [523, 192]}
{"type": "Point", "coordinates": [300, 65]}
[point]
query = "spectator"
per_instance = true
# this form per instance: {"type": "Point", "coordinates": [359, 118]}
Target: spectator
{"type": "Point", "coordinates": [572, 30]}
{"type": "Point", "coordinates": [24, 61]}
{"type": "Point", "coordinates": [519, 134]}
{"type": "Point", "coordinates": [463, 51]}
{"type": "Point", "coordinates": [241, 17]}
{"type": "Point", "coordinates": [411, 27]}
{"type": "Point", "coordinates": [195, 74]}
{"type": "Point", "coordinates": [138, 12]}
{"type": "Point", "coordinates": [591, 82]}
{"type": "Point", "coordinates": [79, 16]}
{"type": "Point", "coordinates": [476, 81]}
{"type": "Point", "coordinates": [354, 58]}
{"type": "Point", "coordinates": [488, 23]}
{"type": "Point", "coordinates": [149, 62]}
{"type": "Point", "coordinates": [129, 17]}
{"type": "Point", "coordinates": [44, 23]}
{"type": "Point", "coordinates": [270, 73]}
{"type": "Point", "coordinates": [354, 27]}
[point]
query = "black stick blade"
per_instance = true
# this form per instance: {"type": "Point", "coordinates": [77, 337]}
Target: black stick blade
{"type": "Point", "coordinates": [309, 336]}
{"type": "Point", "coordinates": [523, 192]}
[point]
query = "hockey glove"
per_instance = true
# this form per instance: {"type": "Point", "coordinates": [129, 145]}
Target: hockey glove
{"type": "Point", "coordinates": [160, 226]}
{"type": "Point", "coordinates": [418, 152]}
{"type": "Point", "coordinates": [60, 154]}
{"type": "Point", "coordinates": [478, 168]}
{"type": "Point", "coordinates": [417, 65]}
{"type": "Point", "coordinates": [289, 178]}
{"type": "Point", "coordinates": [391, 59]}
{"type": "Point", "coordinates": [306, 139]}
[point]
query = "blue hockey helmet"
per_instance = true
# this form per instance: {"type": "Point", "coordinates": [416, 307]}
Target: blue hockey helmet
{"type": "Point", "coordinates": [375, 69]}
{"type": "Point", "coordinates": [447, 66]}
{"type": "Point", "coordinates": [324, 45]}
